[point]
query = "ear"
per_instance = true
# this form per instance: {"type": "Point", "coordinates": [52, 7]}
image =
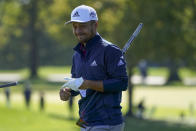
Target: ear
{"type": "Point", "coordinates": [96, 24]}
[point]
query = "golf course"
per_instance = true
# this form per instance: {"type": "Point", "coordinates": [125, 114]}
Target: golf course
{"type": "Point", "coordinates": [164, 106]}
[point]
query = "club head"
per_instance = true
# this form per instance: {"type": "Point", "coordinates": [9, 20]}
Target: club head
{"type": "Point", "coordinates": [81, 123]}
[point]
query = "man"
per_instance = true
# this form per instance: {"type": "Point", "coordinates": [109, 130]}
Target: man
{"type": "Point", "coordinates": [98, 75]}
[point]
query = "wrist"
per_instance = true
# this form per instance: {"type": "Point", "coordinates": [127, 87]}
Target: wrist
{"type": "Point", "coordinates": [84, 85]}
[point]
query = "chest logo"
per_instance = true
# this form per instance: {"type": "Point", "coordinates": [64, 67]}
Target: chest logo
{"type": "Point", "coordinates": [93, 63]}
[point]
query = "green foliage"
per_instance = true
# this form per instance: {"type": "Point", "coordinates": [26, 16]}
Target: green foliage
{"type": "Point", "coordinates": [167, 35]}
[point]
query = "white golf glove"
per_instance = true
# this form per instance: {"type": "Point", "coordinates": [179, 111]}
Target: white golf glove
{"type": "Point", "coordinates": [73, 83]}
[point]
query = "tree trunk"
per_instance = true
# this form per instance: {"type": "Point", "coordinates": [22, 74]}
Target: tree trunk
{"type": "Point", "coordinates": [130, 94]}
{"type": "Point", "coordinates": [33, 39]}
{"type": "Point", "coordinates": [173, 73]}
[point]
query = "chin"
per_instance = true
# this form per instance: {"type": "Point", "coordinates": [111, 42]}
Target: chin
{"type": "Point", "coordinates": [83, 41]}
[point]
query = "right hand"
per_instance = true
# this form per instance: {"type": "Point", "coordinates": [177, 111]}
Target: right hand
{"type": "Point", "coordinates": [65, 94]}
{"type": "Point", "coordinates": [73, 83]}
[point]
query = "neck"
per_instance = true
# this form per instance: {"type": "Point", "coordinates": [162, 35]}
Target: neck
{"type": "Point", "coordinates": [84, 43]}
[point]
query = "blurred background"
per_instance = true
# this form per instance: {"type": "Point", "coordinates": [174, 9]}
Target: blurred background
{"type": "Point", "coordinates": [36, 50]}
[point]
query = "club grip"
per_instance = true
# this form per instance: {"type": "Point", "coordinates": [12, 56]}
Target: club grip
{"type": "Point", "coordinates": [137, 31]}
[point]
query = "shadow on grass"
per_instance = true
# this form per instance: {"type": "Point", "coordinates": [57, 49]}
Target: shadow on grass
{"type": "Point", "coordinates": [61, 117]}
{"type": "Point", "coordinates": [155, 125]}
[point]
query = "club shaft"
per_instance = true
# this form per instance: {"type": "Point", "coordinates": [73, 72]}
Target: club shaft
{"type": "Point", "coordinates": [135, 33]}
{"type": "Point", "coordinates": [9, 84]}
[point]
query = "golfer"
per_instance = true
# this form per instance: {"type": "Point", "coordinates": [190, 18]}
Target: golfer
{"type": "Point", "coordinates": [98, 75]}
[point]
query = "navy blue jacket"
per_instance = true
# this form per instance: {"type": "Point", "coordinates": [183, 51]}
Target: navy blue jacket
{"type": "Point", "coordinates": [102, 61]}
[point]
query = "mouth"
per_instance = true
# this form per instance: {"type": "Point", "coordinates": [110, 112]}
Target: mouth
{"type": "Point", "coordinates": [80, 36]}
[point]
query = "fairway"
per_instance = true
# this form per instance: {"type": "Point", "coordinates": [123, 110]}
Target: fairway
{"type": "Point", "coordinates": [167, 103]}
{"type": "Point", "coordinates": [24, 120]}
{"type": "Point", "coordinates": [133, 124]}
{"type": "Point", "coordinates": [167, 96]}
{"type": "Point", "coordinates": [55, 117]}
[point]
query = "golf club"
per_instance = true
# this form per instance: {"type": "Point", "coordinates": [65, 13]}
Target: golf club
{"type": "Point", "coordinates": [9, 84]}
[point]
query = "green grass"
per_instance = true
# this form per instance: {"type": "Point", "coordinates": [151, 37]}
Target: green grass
{"type": "Point", "coordinates": [133, 124]}
{"type": "Point", "coordinates": [163, 71]}
{"type": "Point", "coordinates": [44, 71]}
{"type": "Point", "coordinates": [47, 70]}
{"type": "Point", "coordinates": [23, 72]}
{"type": "Point", "coordinates": [186, 72]}
{"type": "Point", "coordinates": [56, 115]}
{"type": "Point", "coordinates": [169, 102]}
{"type": "Point", "coordinates": [24, 120]}
{"type": "Point", "coordinates": [174, 114]}
{"type": "Point", "coordinates": [153, 71]}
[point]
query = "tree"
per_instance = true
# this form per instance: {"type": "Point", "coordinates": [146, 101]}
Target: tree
{"type": "Point", "coordinates": [12, 50]}
{"type": "Point", "coordinates": [33, 12]}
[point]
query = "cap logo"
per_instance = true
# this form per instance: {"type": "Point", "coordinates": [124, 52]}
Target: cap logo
{"type": "Point", "coordinates": [76, 14]}
{"type": "Point", "coordinates": [92, 14]}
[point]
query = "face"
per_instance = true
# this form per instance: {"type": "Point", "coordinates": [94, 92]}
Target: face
{"type": "Point", "coordinates": [84, 31]}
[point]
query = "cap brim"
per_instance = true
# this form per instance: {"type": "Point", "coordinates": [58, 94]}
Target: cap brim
{"type": "Point", "coordinates": [68, 22]}
{"type": "Point", "coordinates": [75, 21]}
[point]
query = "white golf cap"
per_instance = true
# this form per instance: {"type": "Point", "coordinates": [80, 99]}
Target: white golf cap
{"type": "Point", "coordinates": [83, 14]}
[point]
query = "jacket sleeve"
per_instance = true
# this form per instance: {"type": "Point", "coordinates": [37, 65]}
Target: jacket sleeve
{"type": "Point", "coordinates": [116, 70]}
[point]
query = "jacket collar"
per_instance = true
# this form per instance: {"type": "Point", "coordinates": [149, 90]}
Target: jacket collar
{"type": "Point", "coordinates": [90, 44]}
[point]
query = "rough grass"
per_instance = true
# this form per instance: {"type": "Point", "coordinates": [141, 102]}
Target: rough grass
{"type": "Point", "coordinates": [133, 124]}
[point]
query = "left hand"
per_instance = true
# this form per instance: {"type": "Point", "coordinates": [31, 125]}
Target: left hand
{"type": "Point", "coordinates": [73, 83]}
{"type": "Point", "coordinates": [65, 94]}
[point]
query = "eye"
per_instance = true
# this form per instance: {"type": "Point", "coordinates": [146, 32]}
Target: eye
{"type": "Point", "coordinates": [74, 26]}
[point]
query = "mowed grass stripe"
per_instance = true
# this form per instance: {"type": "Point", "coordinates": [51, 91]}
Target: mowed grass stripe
{"type": "Point", "coordinates": [24, 120]}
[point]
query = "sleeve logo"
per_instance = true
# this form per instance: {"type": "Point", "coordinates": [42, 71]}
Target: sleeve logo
{"type": "Point", "coordinates": [120, 62]}
{"type": "Point", "coordinates": [92, 14]}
